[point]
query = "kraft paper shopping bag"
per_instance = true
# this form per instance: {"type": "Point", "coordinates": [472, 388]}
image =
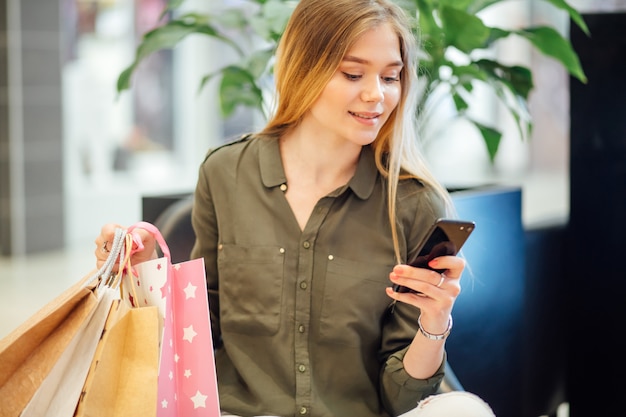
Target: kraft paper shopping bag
{"type": "Point", "coordinates": [123, 376]}
{"type": "Point", "coordinates": [59, 392]}
{"type": "Point", "coordinates": [29, 354]}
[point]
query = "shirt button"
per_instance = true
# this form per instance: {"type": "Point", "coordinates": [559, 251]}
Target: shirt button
{"type": "Point", "coordinates": [303, 410]}
{"type": "Point", "coordinates": [281, 250]}
{"type": "Point", "coordinates": [303, 285]}
{"type": "Point", "coordinates": [283, 187]}
{"type": "Point", "coordinates": [301, 328]}
{"type": "Point", "coordinates": [301, 368]}
{"type": "Point", "coordinates": [331, 257]}
{"type": "Point", "coordinates": [306, 245]}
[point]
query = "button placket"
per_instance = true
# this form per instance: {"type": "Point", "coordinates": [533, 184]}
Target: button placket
{"type": "Point", "coordinates": [303, 305]}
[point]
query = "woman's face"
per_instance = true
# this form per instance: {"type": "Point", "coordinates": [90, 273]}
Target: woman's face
{"type": "Point", "coordinates": [359, 98]}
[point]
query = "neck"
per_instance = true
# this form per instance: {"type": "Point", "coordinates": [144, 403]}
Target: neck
{"type": "Point", "coordinates": [318, 160]}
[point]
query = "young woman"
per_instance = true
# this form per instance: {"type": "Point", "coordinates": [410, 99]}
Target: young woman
{"type": "Point", "coordinates": [305, 226]}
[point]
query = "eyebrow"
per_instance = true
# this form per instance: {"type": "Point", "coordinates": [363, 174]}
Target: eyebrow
{"type": "Point", "coordinates": [350, 58]}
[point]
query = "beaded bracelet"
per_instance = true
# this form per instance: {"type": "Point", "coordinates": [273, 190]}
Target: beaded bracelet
{"type": "Point", "coordinates": [435, 336]}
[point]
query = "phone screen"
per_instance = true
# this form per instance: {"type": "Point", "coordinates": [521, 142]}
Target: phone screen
{"type": "Point", "coordinates": [446, 237]}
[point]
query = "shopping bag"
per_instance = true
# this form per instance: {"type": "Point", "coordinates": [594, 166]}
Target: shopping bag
{"type": "Point", "coordinates": [122, 379]}
{"type": "Point", "coordinates": [30, 354]}
{"type": "Point", "coordinates": [60, 391]}
{"type": "Point", "coordinates": [187, 382]}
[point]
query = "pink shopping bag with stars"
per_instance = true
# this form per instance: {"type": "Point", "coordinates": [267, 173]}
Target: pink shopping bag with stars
{"type": "Point", "coordinates": [187, 382]}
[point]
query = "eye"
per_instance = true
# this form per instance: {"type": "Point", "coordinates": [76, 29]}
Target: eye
{"type": "Point", "coordinates": [391, 80]}
{"type": "Point", "coordinates": [351, 77]}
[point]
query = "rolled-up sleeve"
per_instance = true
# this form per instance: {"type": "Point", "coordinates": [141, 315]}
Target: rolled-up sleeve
{"type": "Point", "coordinates": [400, 391]}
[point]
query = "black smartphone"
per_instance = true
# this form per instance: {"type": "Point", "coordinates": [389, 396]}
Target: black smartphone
{"type": "Point", "coordinates": [445, 237]}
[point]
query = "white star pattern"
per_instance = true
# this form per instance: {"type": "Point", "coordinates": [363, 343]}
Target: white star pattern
{"type": "Point", "coordinates": [176, 358]}
{"type": "Point", "coordinates": [171, 375]}
{"type": "Point", "coordinates": [190, 291]}
{"type": "Point", "coordinates": [187, 373]}
{"type": "Point", "coordinates": [189, 333]}
{"type": "Point", "coordinates": [164, 404]}
{"type": "Point", "coordinates": [199, 400]}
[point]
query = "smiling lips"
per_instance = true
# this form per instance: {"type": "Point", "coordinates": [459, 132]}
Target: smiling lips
{"type": "Point", "coordinates": [368, 117]}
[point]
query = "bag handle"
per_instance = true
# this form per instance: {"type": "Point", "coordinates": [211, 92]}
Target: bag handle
{"type": "Point", "coordinates": [117, 247]}
{"type": "Point", "coordinates": [154, 231]}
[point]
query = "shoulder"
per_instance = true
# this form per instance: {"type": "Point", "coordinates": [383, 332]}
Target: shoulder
{"type": "Point", "coordinates": [244, 149]}
{"type": "Point", "coordinates": [415, 195]}
{"type": "Point", "coordinates": [229, 149]}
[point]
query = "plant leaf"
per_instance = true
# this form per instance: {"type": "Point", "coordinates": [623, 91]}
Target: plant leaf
{"type": "Point", "coordinates": [552, 44]}
{"type": "Point", "coordinates": [573, 14]}
{"type": "Point", "coordinates": [495, 34]}
{"type": "Point", "coordinates": [429, 31]}
{"type": "Point", "coordinates": [464, 31]}
{"type": "Point", "coordinates": [459, 102]}
{"type": "Point", "coordinates": [457, 4]}
{"type": "Point", "coordinates": [165, 37]}
{"type": "Point", "coordinates": [492, 138]}
{"type": "Point", "coordinates": [517, 78]}
{"type": "Point", "coordinates": [123, 80]}
{"type": "Point", "coordinates": [478, 5]}
{"type": "Point", "coordinates": [171, 5]}
{"type": "Point", "coordinates": [238, 87]}
{"type": "Point", "coordinates": [516, 107]}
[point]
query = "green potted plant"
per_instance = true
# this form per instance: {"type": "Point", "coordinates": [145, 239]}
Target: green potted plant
{"type": "Point", "coordinates": [446, 29]}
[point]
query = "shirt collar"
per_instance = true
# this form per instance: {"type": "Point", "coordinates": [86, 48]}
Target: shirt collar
{"type": "Point", "coordinates": [273, 174]}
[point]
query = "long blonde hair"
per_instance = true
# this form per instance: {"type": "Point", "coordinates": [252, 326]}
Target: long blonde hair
{"type": "Point", "coordinates": [317, 37]}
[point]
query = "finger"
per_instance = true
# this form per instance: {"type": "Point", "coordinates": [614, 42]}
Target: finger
{"type": "Point", "coordinates": [451, 266]}
{"type": "Point", "coordinates": [103, 242]}
{"type": "Point", "coordinates": [107, 233]}
{"type": "Point", "coordinates": [146, 249]}
{"type": "Point", "coordinates": [441, 280]}
{"type": "Point", "coordinates": [409, 274]}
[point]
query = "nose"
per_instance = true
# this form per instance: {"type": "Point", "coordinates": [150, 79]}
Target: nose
{"type": "Point", "coordinates": [373, 91]}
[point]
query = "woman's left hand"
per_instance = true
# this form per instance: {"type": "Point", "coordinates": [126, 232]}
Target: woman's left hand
{"type": "Point", "coordinates": [435, 292]}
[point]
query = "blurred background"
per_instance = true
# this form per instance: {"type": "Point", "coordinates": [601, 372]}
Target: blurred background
{"type": "Point", "coordinates": [74, 154]}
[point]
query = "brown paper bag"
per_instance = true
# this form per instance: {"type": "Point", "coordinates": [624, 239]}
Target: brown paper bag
{"type": "Point", "coordinates": [122, 379]}
{"type": "Point", "coordinates": [29, 352]}
{"type": "Point", "coordinates": [59, 393]}
{"type": "Point", "coordinates": [33, 354]}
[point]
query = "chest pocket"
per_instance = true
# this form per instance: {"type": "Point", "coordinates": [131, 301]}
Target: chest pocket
{"type": "Point", "coordinates": [251, 288]}
{"type": "Point", "coordinates": [354, 302]}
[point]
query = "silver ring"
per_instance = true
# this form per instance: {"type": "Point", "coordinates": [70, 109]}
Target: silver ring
{"type": "Point", "coordinates": [104, 247]}
{"type": "Point", "coordinates": [443, 278]}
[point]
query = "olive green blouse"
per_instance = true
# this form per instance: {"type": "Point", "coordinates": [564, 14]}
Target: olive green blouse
{"type": "Point", "coordinates": [300, 320]}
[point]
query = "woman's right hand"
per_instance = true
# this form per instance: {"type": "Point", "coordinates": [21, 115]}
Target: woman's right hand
{"type": "Point", "coordinates": [138, 255]}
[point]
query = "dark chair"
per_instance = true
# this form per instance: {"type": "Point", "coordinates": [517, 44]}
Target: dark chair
{"type": "Point", "coordinates": [175, 226]}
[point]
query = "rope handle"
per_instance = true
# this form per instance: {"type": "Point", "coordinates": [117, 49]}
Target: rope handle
{"type": "Point", "coordinates": [117, 247]}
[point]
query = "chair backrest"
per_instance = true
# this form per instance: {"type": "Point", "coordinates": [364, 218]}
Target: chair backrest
{"type": "Point", "coordinates": [175, 226]}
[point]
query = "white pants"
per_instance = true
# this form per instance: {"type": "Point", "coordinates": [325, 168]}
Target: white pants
{"type": "Point", "coordinates": [450, 404]}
